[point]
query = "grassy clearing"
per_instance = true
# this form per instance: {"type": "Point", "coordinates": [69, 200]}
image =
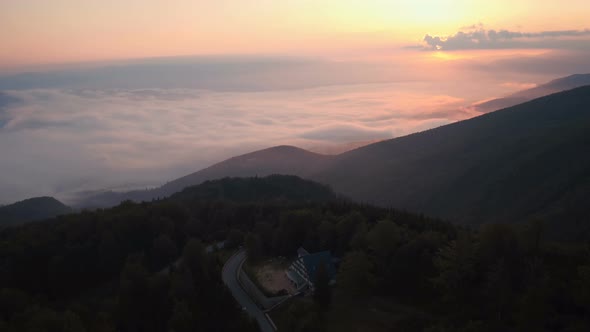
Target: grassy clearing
{"type": "Point", "coordinates": [250, 271]}
{"type": "Point", "coordinates": [269, 276]}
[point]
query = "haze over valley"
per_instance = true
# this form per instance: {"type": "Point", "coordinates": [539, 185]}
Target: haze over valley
{"type": "Point", "coordinates": [72, 134]}
{"type": "Point", "coordinates": [309, 165]}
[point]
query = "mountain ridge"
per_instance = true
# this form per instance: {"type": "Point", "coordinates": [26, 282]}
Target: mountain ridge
{"type": "Point", "coordinates": [527, 169]}
{"type": "Point", "coordinates": [282, 159]}
{"type": "Point", "coordinates": [512, 165]}
{"type": "Point", "coordinates": [519, 97]}
{"type": "Point", "coordinates": [32, 209]}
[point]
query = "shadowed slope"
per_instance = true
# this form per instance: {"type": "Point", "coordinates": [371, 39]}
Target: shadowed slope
{"type": "Point", "coordinates": [527, 161]}
{"type": "Point", "coordinates": [273, 188]}
{"type": "Point", "coordinates": [558, 85]}
{"type": "Point", "coordinates": [275, 160]}
{"type": "Point", "coordinates": [30, 210]}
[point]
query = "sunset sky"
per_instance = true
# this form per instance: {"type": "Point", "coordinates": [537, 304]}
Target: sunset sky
{"type": "Point", "coordinates": [60, 31]}
{"type": "Point", "coordinates": [133, 93]}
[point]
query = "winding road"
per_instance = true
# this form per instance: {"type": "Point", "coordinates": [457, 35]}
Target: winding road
{"type": "Point", "coordinates": [230, 278]}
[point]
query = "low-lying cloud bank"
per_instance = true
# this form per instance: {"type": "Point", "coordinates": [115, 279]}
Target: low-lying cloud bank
{"type": "Point", "coordinates": [139, 124]}
{"type": "Point", "coordinates": [59, 141]}
{"type": "Point", "coordinates": [220, 73]}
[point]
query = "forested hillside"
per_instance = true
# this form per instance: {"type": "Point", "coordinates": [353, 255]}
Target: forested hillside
{"type": "Point", "coordinates": [98, 271]}
{"type": "Point", "coordinates": [273, 188]}
{"type": "Point", "coordinates": [31, 209]}
{"type": "Point", "coordinates": [510, 166]}
{"type": "Point", "coordinates": [277, 160]}
{"type": "Point", "coordinates": [514, 165]}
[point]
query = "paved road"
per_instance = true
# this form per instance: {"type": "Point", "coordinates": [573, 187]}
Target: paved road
{"type": "Point", "coordinates": [230, 278]}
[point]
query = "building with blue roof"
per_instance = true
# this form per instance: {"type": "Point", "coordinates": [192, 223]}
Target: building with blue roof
{"type": "Point", "coordinates": [303, 271]}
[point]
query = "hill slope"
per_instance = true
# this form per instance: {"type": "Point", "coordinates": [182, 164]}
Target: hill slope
{"type": "Point", "coordinates": [273, 188]}
{"type": "Point", "coordinates": [30, 210]}
{"type": "Point", "coordinates": [275, 160]}
{"type": "Point", "coordinates": [527, 161]}
{"type": "Point", "coordinates": [558, 85]}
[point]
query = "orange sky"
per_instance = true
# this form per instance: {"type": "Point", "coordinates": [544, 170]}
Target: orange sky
{"type": "Point", "coordinates": [313, 73]}
{"type": "Point", "coordinates": [61, 31]}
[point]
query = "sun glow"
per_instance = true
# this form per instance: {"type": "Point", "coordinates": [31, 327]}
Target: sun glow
{"type": "Point", "coordinates": [447, 56]}
{"type": "Point", "coordinates": [432, 11]}
{"type": "Point", "coordinates": [75, 30]}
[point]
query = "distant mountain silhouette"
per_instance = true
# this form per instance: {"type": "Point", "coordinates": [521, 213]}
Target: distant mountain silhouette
{"type": "Point", "coordinates": [276, 160]}
{"type": "Point", "coordinates": [558, 85]}
{"type": "Point", "coordinates": [524, 162]}
{"type": "Point", "coordinates": [32, 209]}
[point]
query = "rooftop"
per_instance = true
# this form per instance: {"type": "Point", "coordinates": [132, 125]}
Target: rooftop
{"type": "Point", "coordinates": [313, 261]}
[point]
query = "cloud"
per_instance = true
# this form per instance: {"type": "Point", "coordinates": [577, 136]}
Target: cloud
{"type": "Point", "coordinates": [118, 131]}
{"type": "Point", "coordinates": [479, 38]}
{"type": "Point", "coordinates": [519, 85]}
{"type": "Point", "coordinates": [346, 132]}
{"type": "Point", "coordinates": [549, 64]}
{"type": "Point", "coordinates": [473, 26]}
{"type": "Point", "coordinates": [221, 73]}
{"type": "Point", "coordinates": [62, 141]}
{"type": "Point", "coordinates": [6, 101]}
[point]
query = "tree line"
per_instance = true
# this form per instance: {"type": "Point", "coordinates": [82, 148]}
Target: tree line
{"type": "Point", "coordinates": [101, 270]}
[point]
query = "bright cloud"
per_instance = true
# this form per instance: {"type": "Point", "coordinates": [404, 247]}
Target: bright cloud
{"type": "Point", "coordinates": [59, 141]}
{"type": "Point", "coordinates": [479, 38]}
{"type": "Point", "coordinates": [140, 124]}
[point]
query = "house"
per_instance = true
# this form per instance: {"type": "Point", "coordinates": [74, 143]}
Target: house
{"type": "Point", "coordinates": [303, 271]}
